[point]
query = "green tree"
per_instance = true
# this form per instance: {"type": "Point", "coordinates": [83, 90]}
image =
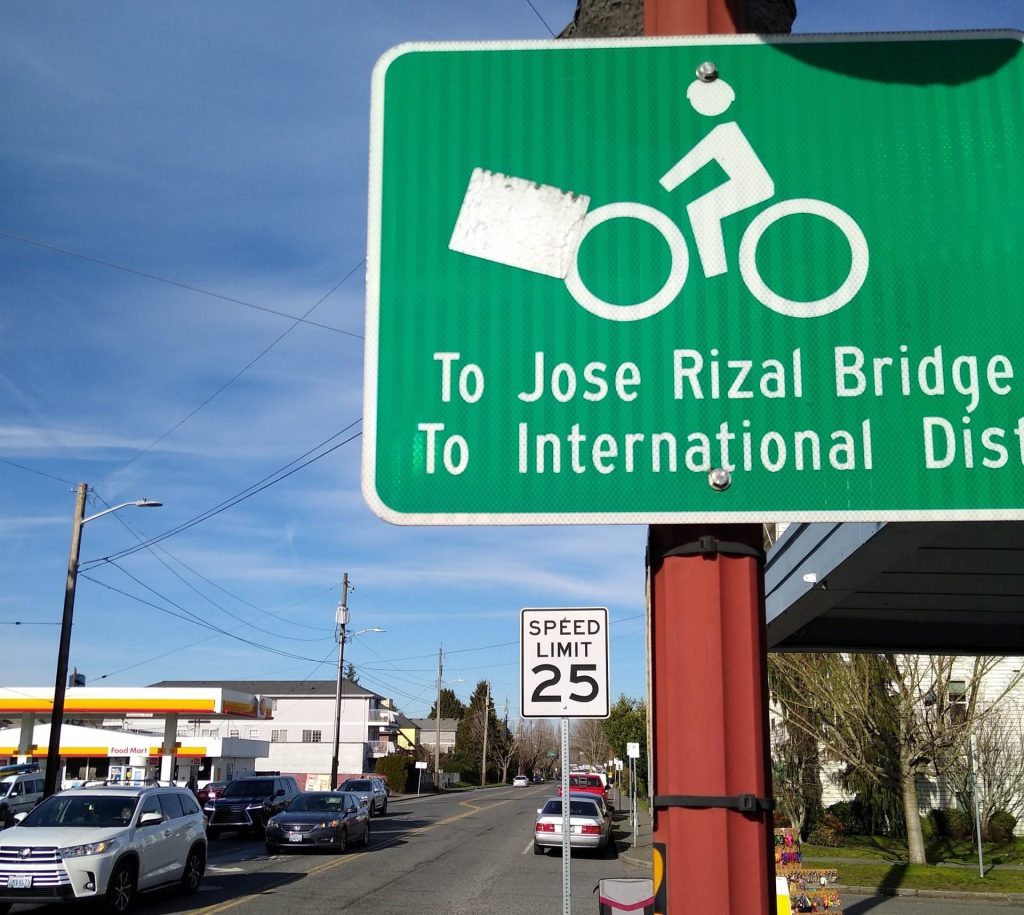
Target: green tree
{"type": "Point", "coordinates": [469, 738]}
{"type": "Point", "coordinates": [451, 706]}
{"type": "Point", "coordinates": [350, 672]}
{"type": "Point", "coordinates": [627, 723]}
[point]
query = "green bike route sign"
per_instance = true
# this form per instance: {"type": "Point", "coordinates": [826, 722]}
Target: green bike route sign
{"type": "Point", "coordinates": [705, 279]}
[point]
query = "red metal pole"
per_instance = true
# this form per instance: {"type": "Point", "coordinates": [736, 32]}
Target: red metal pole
{"type": "Point", "coordinates": [708, 669]}
{"type": "Point", "coordinates": [709, 714]}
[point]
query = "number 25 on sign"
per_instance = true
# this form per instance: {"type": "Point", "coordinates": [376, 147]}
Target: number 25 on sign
{"type": "Point", "coordinates": [564, 662]}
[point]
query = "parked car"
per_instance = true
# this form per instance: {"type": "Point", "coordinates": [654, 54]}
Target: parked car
{"type": "Point", "coordinates": [586, 783]}
{"type": "Point", "coordinates": [210, 791]}
{"type": "Point", "coordinates": [104, 845]}
{"type": "Point", "coordinates": [248, 803]}
{"type": "Point", "coordinates": [21, 788]}
{"type": "Point", "coordinates": [591, 828]}
{"type": "Point", "coordinates": [520, 781]}
{"type": "Point", "coordinates": [371, 791]}
{"type": "Point", "coordinates": [320, 819]}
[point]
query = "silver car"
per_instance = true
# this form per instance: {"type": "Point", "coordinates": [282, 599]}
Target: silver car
{"type": "Point", "coordinates": [103, 845]}
{"type": "Point", "coordinates": [590, 825]}
{"type": "Point", "coordinates": [371, 791]}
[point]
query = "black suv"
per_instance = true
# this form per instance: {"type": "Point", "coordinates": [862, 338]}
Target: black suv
{"type": "Point", "coordinates": [247, 803]}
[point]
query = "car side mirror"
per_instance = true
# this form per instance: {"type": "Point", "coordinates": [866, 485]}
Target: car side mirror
{"type": "Point", "coordinates": [150, 818]}
{"type": "Point", "coordinates": [18, 817]}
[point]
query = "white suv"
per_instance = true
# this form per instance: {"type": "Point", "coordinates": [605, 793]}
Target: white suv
{"type": "Point", "coordinates": [103, 844]}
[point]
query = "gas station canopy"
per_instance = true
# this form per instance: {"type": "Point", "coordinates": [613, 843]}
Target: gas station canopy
{"type": "Point", "coordinates": [92, 702]}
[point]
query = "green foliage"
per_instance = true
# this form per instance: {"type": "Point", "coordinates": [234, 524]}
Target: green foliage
{"type": "Point", "coordinates": [468, 750]}
{"type": "Point", "coordinates": [397, 769]}
{"type": "Point", "coordinates": [827, 831]}
{"type": "Point", "coordinates": [952, 824]}
{"type": "Point", "coordinates": [1001, 825]}
{"type": "Point", "coordinates": [451, 706]}
{"type": "Point", "coordinates": [627, 723]}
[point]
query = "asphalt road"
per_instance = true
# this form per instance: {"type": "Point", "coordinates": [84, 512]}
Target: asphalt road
{"type": "Point", "coordinates": [466, 854]}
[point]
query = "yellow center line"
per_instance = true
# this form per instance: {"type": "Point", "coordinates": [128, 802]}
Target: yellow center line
{"type": "Point", "coordinates": [341, 862]}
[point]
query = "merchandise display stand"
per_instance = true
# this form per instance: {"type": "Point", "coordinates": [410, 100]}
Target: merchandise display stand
{"type": "Point", "coordinates": [810, 889]}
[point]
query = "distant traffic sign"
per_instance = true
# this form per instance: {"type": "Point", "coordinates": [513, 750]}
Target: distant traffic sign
{"type": "Point", "coordinates": [564, 663]}
{"type": "Point", "coordinates": [571, 319]}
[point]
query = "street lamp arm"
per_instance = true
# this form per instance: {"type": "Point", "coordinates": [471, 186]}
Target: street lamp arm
{"type": "Point", "coordinates": [138, 503]}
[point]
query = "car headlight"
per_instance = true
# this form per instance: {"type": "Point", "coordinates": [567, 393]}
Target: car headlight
{"type": "Point", "coordinates": [91, 848]}
{"type": "Point", "coordinates": [273, 822]}
{"type": "Point", "coordinates": [328, 824]}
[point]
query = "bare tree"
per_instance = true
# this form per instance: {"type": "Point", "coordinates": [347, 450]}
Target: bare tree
{"type": "Point", "coordinates": [536, 739]}
{"type": "Point", "coordinates": [997, 752]}
{"type": "Point", "coordinates": [588, 742]}
{"type": "Point", "coordinates": [889, 717]}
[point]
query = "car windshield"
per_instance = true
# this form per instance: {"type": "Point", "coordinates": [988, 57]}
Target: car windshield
{"type": "Point", "coordinates": [319, 803]}
{"type": "Point", "coordinates": [358, 784]}
{"type": "Point", "coordinates": [248, 787]}
{"type": "Point", "coordinates": [91, 810]}
{"type": "Point", "coordinates": [579, 808]}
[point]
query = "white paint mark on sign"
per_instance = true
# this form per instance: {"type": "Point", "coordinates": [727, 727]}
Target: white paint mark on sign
{"type": "Point", "coordinates": [520, 223]}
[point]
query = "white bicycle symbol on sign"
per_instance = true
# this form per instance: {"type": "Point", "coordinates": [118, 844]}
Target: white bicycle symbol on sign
{"type": "Point", "coordinates": [516, 222]}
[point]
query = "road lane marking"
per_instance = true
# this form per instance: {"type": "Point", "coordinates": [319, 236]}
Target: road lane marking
{"type": "Point", "coordinates": [339, 862]}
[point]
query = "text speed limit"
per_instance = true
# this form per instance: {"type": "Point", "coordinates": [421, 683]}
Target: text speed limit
{"type": "Point", "coordinates": [564, 662]}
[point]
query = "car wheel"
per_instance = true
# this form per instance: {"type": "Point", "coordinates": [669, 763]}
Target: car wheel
{"type": "Point", "coordinates": [273, 848]}
{"type": "Point", "coordinates": [212, 832]}
{"type": "Point", "coordinates": [195, 867]}
{"type": "Point", "coordinates": [384, 809]}
{"type": "Point", "coordinates": [366, 834]}
{"type": "Point", "coordinates": [538, 849]}
{"type": "Point", "coordinates": [342, 841]}
{"type": "Point", "coordinates": [120, 890]}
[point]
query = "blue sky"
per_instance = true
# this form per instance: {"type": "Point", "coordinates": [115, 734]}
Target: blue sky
{"type": "Point", "coordinates": [178, 183]}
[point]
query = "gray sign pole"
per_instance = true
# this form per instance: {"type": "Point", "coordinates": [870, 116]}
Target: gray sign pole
{"type": "Point", "coordinates": [566, 823]}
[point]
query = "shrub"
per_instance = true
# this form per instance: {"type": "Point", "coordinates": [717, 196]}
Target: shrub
{"type": "Point", "coordinates": [952, 824]}
{"type": "Point", "coordinates": [828, 831]}
{"type": "Point", "coordinates": [1001, 825]}
{"type": "Point", "coordinates": [397, 770]}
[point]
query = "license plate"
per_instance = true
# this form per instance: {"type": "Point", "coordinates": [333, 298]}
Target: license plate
{"type": "Point", "coordinates": [294, 837]}
{"type": "Point", "coordinates": [19, 881]}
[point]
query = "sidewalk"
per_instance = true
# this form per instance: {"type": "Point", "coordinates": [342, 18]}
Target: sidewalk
{"type": "Point", "coordinates": [637, 851]}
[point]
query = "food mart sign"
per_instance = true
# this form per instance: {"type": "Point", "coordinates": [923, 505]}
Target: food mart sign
{"type": "Point", "coordinates": [594, 279]}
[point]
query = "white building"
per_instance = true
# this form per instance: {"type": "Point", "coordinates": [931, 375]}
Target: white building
{"type": "Point", "coordinates": [300, 738]}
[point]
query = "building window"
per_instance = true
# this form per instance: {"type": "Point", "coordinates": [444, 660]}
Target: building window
{"type": "Point", "coordinates": [254, 733]}
{"type": "Point", "coordinates": [233, 732]}
{"type": "Point", "coordinates": [311, 736]}
{"type": "Point", "coordinates": [278, 736]}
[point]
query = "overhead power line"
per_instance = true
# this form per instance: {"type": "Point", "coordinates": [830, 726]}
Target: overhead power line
{"type": "Point", "coordinates": [179, 285]}
{"type": "Point", "coordinates": [247, 493]}
{"type": "Point", "coordinates": [181, 422]}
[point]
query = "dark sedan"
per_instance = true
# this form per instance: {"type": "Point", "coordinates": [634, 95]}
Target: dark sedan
{"type": "Point", "coordinates": [320, 819]}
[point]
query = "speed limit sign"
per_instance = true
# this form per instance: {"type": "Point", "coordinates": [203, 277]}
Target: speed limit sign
{"type": "Point", "coordinates": [564, 662]}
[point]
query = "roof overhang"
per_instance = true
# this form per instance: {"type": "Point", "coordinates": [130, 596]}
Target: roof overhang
{"type": "Point", "coordinates": [924, 587]}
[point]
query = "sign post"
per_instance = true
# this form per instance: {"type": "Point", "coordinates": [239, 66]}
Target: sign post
{"type": "Point", "coordinates": [420, 766]}
{"type": "Point", "coordinates": [564, 672]}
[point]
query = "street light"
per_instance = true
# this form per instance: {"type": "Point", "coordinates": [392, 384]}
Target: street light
{"type": "Point", "coordinates": [341, 616]}
{"type": "Point", "coordinates": [64, 649]}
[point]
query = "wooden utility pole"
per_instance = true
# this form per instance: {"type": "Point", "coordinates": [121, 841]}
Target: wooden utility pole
{"type": "Point", "coordinates": [483, 752]}
{"type": "Point", "coordinates": [437, 725]}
